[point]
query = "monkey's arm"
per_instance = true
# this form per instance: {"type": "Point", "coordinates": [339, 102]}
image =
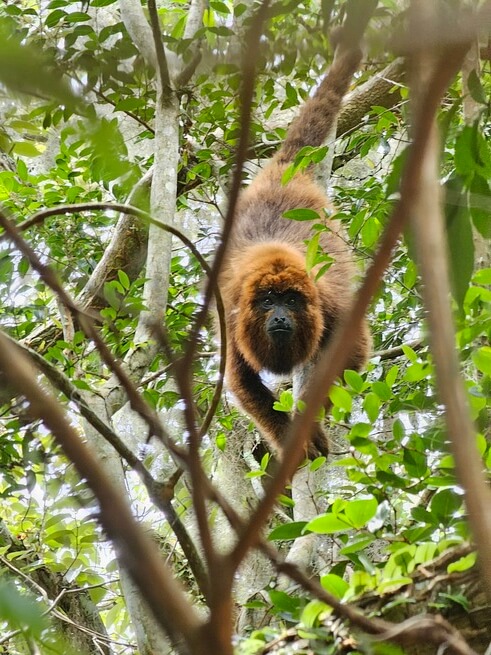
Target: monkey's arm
{"type": "Point", "coordinates": [257, 400]}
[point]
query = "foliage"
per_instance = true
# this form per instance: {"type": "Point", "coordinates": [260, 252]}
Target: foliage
{"type": "Point", "coordinates": [78, 130]}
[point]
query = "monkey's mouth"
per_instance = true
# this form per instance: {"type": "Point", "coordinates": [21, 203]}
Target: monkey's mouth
{"type": "Point", "coordinates": [284, 331]}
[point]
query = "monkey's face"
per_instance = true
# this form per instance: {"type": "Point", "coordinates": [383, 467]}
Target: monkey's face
{"type": "Point", "coordinates": [281, 313]}
{"type": "Point", "coordinates": [279, 322]}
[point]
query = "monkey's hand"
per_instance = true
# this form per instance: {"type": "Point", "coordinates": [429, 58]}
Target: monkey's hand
{"type": "Point", "coordinates": [319, 443]}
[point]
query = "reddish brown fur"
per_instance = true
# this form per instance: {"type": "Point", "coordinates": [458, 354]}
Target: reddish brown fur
{"type": "Point", "coordinates": [267, 253]}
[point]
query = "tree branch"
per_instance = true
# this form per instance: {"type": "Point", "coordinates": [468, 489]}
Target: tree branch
{"type": "Point", "coordinates": [139, 556]}
{"type": "Point", "coordinates": [427, 222]}
{"type": "Point", "coordinates": [334, 359]}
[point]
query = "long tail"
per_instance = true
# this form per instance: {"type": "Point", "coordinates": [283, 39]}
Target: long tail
{"type": "Point", "coordinates": [319, 113]}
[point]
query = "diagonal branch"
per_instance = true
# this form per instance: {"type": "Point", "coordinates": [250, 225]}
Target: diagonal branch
{"type": "Point", "coordinates": [427, 222]}
{"type": "Point", "coordinates": [139, 556]}
{"type": "Point", "coordinates": [334, 359]}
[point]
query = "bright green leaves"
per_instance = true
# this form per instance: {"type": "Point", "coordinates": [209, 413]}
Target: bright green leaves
{"type": "Point", "coordinates": [107, 153]}
{"type": "Point", "coordinates": [472, 156]}
{"type": "Point", "coordinates": [288, 531]}
{"type": "Point", "coordinates": [285, 402]}
{"type": "Point", "coordinates": [341, 398]}
{"type": "Point", "coordinates": [20, 611]}
{"type": "Point", "coordinates": [335, 585]}
{"type": "Point", "coordinates": [480, 203]}
{"type": "Point", "coordinates": [482, 359]}
{"type": "Point", "coordinates": [344, 515]}
{"type": "Point", "coordinates": [354, 380]}
{"type": "Point", "coordinates": [301, 214]}
{"type": "Point", "coordinates": [305, 157]}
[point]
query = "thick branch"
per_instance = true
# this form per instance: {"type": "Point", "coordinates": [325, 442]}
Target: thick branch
{"type": "Point", "coordinates": [428, 226]}
{"type": "Point", "coordinates": [138, 554]}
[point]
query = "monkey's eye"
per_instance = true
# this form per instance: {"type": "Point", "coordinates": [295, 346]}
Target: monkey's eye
{"type": "Point", "coordinates": [291, 301]}
{"type": "Point", "coordinates": [267, 302]}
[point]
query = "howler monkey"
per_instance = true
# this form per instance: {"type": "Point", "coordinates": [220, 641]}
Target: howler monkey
{"type": "Point", "coordinates": [278, 315]}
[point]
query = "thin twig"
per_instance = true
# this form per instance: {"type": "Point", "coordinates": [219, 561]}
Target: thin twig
{"type": "Point", "coordinates": [163, 69]}
{"type": "Point", "coordinates": [246, 96]}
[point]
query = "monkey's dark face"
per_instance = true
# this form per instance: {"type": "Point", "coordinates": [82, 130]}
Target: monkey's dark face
{"type": "Point", "coordinates": [280, 311]}
{"type": "Point", "coordinates": [281, 314]}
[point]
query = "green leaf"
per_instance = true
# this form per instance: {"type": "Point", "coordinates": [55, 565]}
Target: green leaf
{"type": "Point", "coordinates": [221, 7]}
{"type": "Point", "coordinates": [129, 104]}
{"type": "Point", "coordinates": [359, 512]}
{"type": "Point", "coordinates": [370, 231]}
{"type": "Point", "coordinates": [482, 359]}
{"type": "Point", "coordinates": [334, 585]}
{"type": "Point", "coordinates": [357, 544]}
{"type": "Point", "coordinates": [221, 441]}
{"type": "Point", "coordinates": [285, 500]}
{"type": "Point", "coordinates": [483, 276]}
{"type": "Point", "coordinates": [463, 564]}
{"type": "Point", "coordinates": [391, 376]}
{"type": "Point", "coordinates": [341, 398]}
{"type": "Point", "coordinates": [393, 584]}
{"type": "Point", "coordinates": [55, 17]}
{"type": "Point", "coordinates": [18, 609]}
{"type": "Point", "coordinates": [398, 429]}
{"type": "Point", "coordinates": [328, 524]}
{"type": "Point", "coordinates": [466, 154]}
{"type": "Point", "coordinates": [285, 402]}
{"type": "Point", "coordinates": [301, 214]}
{"type": "Point", "coordinates": [312, 613]}
{"type": "Point", "coordinates": [382, 390]}
{"type": "Point", "coordinates": [284, 602]}
{"type": "Point", "coordinates": [77, 17]}
{"type": "Point", "coordinates": [410, 353]}
{"type": "Point", "coordinates": [354, 380]}
{"type": "Point", "coordinates": [288, 531]}
{"type": "Point", "coordinates": [371, 405]}
{"type": "Point", "coordinates": [416, 372]}
{"type": "Point", "coordinates": [311, 254]}
{"type": "Point", "coordinates": [475, 88]}
{"type": "Point", "coordinates": [414, 463]}
{"type": "Point", "coordinates": [27, 149]}
{"type": "Point", "coordinates": [444, 504]}
{"type": "Point", "coordinates": [317, 463]}
{"type": "Point", "coordinates": [254, 474]}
